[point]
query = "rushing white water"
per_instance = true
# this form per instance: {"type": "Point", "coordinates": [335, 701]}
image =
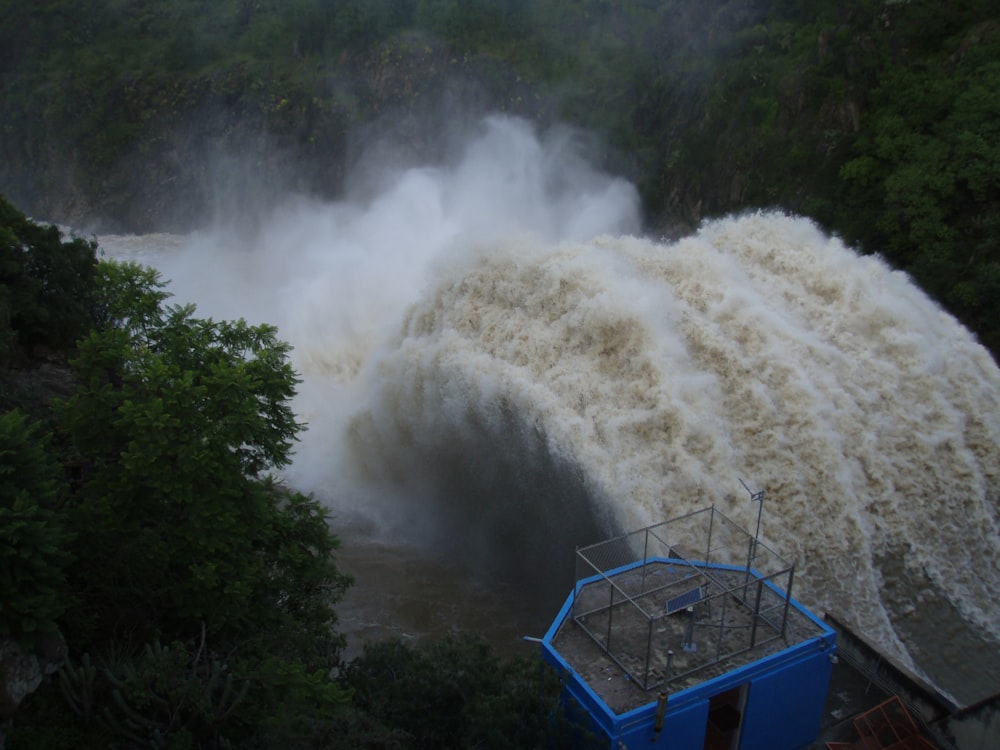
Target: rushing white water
{"type": "Point", "coordinates": [490, 364]}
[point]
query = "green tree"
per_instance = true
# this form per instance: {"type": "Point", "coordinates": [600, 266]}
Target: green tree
{"type": "Point", "coordinates": [924, 179]}
{"type": "Point", "coordinates": [203, 591]}
{"type": "Point", "coordinates": [191, 695]}
{"type": "Point", "coordinates": [456, 693]}
{"type": "Point", "coordinates": [33, 539]}
{"type": "Point", "coordinates": [178, 423]}
{"type": "Point", "coordinates": [45, 285]}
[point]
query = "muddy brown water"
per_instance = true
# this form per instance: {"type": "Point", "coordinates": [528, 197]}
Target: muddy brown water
{"type": "Point", "coordinates": [403, 593]}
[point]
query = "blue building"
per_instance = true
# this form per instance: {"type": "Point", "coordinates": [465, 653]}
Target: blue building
{"type": "Point", "coordinates": [684, 635]}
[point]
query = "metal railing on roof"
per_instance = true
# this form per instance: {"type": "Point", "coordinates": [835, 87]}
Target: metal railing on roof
{"type": "Point", "coordinates": [681, 596]}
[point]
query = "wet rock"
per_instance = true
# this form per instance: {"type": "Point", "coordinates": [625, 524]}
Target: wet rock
{"type": "Point", "coordinates": [22, 670]}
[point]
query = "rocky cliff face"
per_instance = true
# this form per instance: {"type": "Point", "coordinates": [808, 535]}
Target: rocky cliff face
{"type": "Point", "coordinates": [181, 140]}
{"type": "Point", "coordinates": [189, 150]}
{"type": "Point", "coordinates": [22, 671]}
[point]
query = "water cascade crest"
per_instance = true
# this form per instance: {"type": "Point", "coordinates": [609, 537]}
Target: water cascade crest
{"type": "Point", "coordinates": [485, 347]}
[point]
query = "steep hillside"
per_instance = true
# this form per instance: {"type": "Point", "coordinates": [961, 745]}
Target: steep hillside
{"type": "Point", "coordinates": [878, 118]}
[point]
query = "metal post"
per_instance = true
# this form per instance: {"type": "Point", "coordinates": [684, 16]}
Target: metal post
{"type": "Point", "coordinates": [788, 599]}
{"type": "Point", "coordinates": [746, 578]}
{"type": "Point", "coordinates": [752, 552]}
{"type": "Point", "coordinates": [611, 604]}
{"type": "Point", "coordinates": [649, 650]}
{"type": "Point", "coordinates": [661, 700]}
{"type": "Point", "coordinates": [756, 615]}
{"type": "Point", "coordinates": [708, 545]}
{"type": "Point", "coordinates": [722, 627]}
{"type": "Point", "coordinates": [688, 644]}
{"type": "Point", "coordinates": [581, 573]}
{"type": "Point", "coordinates": [645, 559]}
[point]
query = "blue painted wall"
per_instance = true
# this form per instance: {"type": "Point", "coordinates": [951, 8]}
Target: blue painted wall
{"type": "Point", "coordinates": [784, 707]}
{"type": "Point", "coordinates": [682, 728]}
{"type": "Point", "coordinates": [783, 711]}
{"type": "Point", "coordinates": [785, 696]}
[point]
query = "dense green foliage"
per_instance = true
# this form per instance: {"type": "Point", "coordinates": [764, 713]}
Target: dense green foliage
{"type": "Point", "coordinates": [183, 538]}
{"type": "Point", "coordinates": [33, 558]}
{"type": "Point", "coordinates": [924, 177]}
{"type": "Point", "coordinates": [45, 285]}
{"type": "Point", "coordinates": [474, 702]}
{"type": "Point", "coordinates": [195, 593]}
{"type": "Point", "coordinates": [194, 413]}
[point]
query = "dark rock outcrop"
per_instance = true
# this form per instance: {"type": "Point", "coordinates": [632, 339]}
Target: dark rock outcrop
{"type": "Point", "coordinates": [22, 671]}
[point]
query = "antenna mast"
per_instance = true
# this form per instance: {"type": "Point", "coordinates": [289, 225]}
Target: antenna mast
{"type": "Point", "coordinates": [755, 497]}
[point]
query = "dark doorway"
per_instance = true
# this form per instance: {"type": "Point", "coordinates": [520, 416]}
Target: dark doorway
{"type": "Point", "coordinates": [725, 716]}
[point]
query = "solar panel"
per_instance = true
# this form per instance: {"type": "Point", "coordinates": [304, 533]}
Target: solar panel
{"type": "Point", "coordinates": [683, 601]}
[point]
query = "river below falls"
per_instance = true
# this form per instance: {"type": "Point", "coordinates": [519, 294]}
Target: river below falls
{"type": "Point", "coordinates": [401, 592]}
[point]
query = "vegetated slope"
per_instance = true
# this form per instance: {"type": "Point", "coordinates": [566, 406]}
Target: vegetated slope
{"type": "Point", "coordinates": [177, 594]}
{"type": "Point", "coordinates": [878, 118]}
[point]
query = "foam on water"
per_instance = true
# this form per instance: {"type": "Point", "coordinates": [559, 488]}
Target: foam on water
{"type": "Point", "coordinates": [757, 348]}
{"type": "Point", "coordinates": [483, 325]}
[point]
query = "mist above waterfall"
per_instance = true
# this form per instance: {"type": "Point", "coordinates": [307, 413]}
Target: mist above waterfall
{"type": "Point", "coordinates": [497, 367]}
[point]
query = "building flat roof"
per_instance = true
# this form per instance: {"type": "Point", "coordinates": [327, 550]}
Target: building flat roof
{"type": "Point", "coordinates": [615, 632]}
